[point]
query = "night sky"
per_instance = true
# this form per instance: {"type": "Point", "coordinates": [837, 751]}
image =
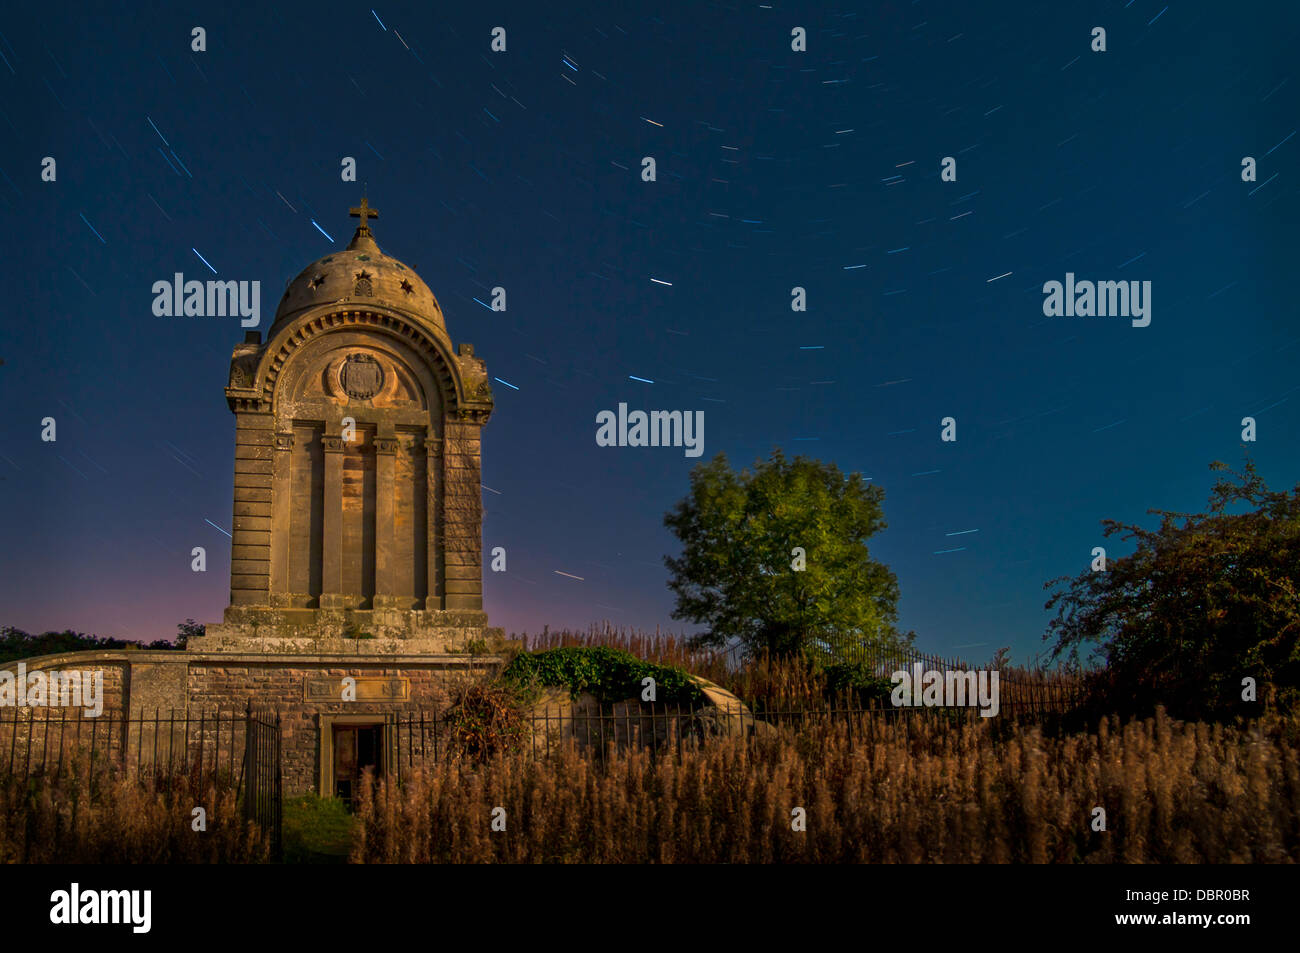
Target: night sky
{"type": "Point", "coordinates": [776, 169]}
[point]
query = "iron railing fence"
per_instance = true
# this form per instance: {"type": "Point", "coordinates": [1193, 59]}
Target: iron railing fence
{"type": "Point", "coordinates": [413, 739]}
{"type": "Point", "coordinates": [233, 750]}
{"type": "Point", "coordinates": [263, 789]}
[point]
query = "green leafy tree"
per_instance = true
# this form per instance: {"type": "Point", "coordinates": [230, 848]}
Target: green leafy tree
{"type": "Point", "coordinates": [739, 535]}
{"type": "Point", "coordinates": [1204, 601]}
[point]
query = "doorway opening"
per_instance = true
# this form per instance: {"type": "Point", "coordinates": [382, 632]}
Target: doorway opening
{"type": "Point", "coordinates": [356, 749]}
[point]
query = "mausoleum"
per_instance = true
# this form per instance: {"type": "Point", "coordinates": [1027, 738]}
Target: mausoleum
{"type": "Point", "coordinates": [357, 507]}
{"type": "Point", "coordinates": [356, 555]}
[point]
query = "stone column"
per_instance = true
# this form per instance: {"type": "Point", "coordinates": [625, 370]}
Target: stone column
{"type": "Point", "coordinates": [250, 533]}
{"type": "Point", "coordinates": [331, 577]}
{"type": "Point", "coordinates": [433, 555]}
{"type": "Point", "coordinates": [281, 508]}
{"type": "Point", "coordinates": [463, 515]}
{"type": "Point", "coordinates": [386, 595]}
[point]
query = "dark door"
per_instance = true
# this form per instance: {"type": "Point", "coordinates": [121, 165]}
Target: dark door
{"type": "Point", "coordinates": [356, 748]}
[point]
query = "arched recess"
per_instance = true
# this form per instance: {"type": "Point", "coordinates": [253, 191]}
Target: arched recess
{"type": "Point", "coordinates": [434, 349]}
{"type": "Point", "coordinates": [358, 409]}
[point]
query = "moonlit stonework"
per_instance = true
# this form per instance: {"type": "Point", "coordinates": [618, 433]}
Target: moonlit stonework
{"type": "Point", "coordinates": [357, 468]}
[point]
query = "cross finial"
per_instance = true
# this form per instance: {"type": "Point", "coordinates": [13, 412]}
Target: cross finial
{"type": "Point", "coordinates": [363, 212]}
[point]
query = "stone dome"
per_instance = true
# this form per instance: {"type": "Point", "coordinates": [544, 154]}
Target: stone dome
{"type": "Point", "coordinates": [361, 275]}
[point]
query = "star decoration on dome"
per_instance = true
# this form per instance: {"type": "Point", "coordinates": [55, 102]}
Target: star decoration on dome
{"type": "Point", "coordinates": [406, 286]}
{"type": "Point", "coordinates": [316, 282]}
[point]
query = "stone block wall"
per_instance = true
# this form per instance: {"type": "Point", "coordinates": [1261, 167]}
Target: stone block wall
{"type": "Point", "coordinates": [41, 737]}
{"type": "Point", "coordinates": [462, 516]}
{"type": "Point", "coordinates": [178, 689]}
{"type": "Point", "coordinates": [281, 687]}
{"type": "Point", "coordinates": [250, 555]}
{"type": "Point", "coordinates": [114, 672]}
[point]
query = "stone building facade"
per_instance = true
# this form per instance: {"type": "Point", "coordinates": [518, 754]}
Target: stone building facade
{"type": "Point", "coordinates": [356, 556]}
{"type": "Point", "coordinates": [357, 501]}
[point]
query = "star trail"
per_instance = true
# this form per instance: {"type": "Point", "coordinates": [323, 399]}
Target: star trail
{"type": "Point", "coordinates": [774, 170]}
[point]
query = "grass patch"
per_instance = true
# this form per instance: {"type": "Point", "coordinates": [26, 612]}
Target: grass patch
{"type": "Point", "coordinates": [317, 830]}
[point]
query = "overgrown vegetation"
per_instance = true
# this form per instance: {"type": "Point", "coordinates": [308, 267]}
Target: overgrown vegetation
{"type": "Point", "coordinates": [489, 718]}
{"type": "Point", "coordinates": [857, 682]}
{"type": "Point", "coordinates": [882, 787]}
{"type": "Point", "coordinates": [1205, 601]}
{"type": "Point", "coordinates": [910, 790]}
{"type": "Point", "coordinates": [610, 674]}
{"type": "Point", "coordinates": [663, 648]}
{"type": "Point", "coordinates": [767, 682]}
{"type": "Point", "coordinates": [92, 814]}
{"type": "Point", "coordinates": [485, 719]}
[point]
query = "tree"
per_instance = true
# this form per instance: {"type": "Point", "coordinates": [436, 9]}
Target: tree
{"type": "Point", "coordinates": [16, 644]}
{"type": "Point", "coordinates": [777, 558]}
{"type": "Point", "coordinates": [1203, 602]}
{"type": "Point", "coordinates": [187, 630]}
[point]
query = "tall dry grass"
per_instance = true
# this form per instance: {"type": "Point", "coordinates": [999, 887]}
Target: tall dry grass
{"type": "Point", "coordinates": [94, 814]}
{"type": "Point", "coordinates": [771, 683]}
{"type": "Point", "coordinates": [907, 789]}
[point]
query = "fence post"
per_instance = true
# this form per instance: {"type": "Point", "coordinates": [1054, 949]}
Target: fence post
{"type": "Point", "coordinates": [31, 724]}
{"type": "Point", "coordinates": [45, 742]}
{"type": "Point", "coordinates": [246, 773]}
{"type": "Point", "coordinates": [202, 726]}
{"type": "Point", "coordinates": [277, 842]}
{"type": "Point", "coordinates": [157, 716]}
{"type": "Point", "coordinates": [63, 722]}
{"type": "Point", "coordinates": [230, 762]}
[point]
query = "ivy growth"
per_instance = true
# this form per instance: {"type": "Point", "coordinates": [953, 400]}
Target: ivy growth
{"type": "Point", "coordinates": [609, 674]}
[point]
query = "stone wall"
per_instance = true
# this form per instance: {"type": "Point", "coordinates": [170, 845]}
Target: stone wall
{"type": "Point", "coordinates": [114, 667]}
{"type": "Point", "coordinates": [462, 507]}
{"type": "Point", "coordinates": [37, 738]}
{"type": "Point", "coordinates": [300, 689]}
{"type": "Point", "coordinates": [282, 687]}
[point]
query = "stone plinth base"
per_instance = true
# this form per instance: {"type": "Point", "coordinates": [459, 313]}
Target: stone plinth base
{"type": "Point", "coordinates": [277, 631]}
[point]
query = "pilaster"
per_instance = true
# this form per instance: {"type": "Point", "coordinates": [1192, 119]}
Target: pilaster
{"type": "Point", "coordinates": [332, 596]}
{"type": "Point", "coordinates": [250, 533]}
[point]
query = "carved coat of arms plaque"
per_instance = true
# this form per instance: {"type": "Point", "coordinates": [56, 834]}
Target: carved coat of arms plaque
{"type": "Point", "coordinates": [361, 376]}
